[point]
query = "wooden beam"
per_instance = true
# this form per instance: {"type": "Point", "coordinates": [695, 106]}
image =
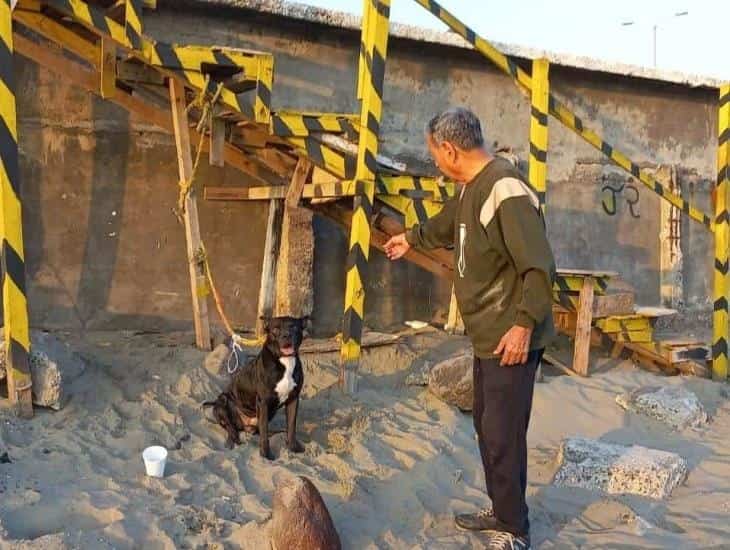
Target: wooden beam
{"type": "Point", "coordinates": [108, 67]}
{"type": "Point", "coordinates": [196, 267]}
{"type": "Point", "coordinates": [582, 349]}
{"type": "Point", "coordinates": [217, 141]}
{"type": "Point", "coordinates": [296, 187]}
{"type": "Point", "coordinates": [267, 290]}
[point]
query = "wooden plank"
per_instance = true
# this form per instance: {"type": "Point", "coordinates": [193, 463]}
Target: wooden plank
{"type": "Point", "coordinates": [455, 323]}
{"type": "Point", "coordinates": [216, 155]}
{"type": "Point", "coordinates": [555, 362]}
{"type": "Point", "coordinates": [583, 328]}
{"type": "Point", "coordinates": [267, 289]}
{"type": "Point", "coordinates": [196, 268]}
{"type": "Point", "coordinates": [618, 323]}
{"type": "Point", "coordinates": [587, 273]}
{"type": "Point", "coordinates": [655, 311]}
{"type": "Point", "coordinates": [108, 68]}
{"type": "Point", "coordinates": [296, 187]}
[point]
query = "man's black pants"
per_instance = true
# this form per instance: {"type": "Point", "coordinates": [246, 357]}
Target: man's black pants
{"type": "Point", "coordinates": [502, 405]}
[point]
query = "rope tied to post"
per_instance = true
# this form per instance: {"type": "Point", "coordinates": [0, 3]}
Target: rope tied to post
{"type": "Point", "coordinates": [238, 342]}
{"type": "Point", "coordinates": [204, 102]}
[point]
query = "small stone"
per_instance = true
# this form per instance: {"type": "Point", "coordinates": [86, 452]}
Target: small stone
{"type": "Point", "coordinates": [5, 459]}
{"type": "Point", "coordinates": [674, 405]}
{"type": "Point", "coordinates": [300, 520]}
{"type": "Point", "coordinates": [617, 469]}
{"type": "Point", "coordinates": [452, 381]}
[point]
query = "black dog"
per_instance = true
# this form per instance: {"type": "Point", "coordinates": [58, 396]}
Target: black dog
{"type": "Point", "coordinates": [257, 390]}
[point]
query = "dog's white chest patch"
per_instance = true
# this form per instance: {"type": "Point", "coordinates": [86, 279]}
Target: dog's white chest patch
{"type": "Point", "coordinates": [285, 386]}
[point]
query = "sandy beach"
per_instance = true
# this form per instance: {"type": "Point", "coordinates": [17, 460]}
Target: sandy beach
{"type": "Point", "coordinates": [393, 464]}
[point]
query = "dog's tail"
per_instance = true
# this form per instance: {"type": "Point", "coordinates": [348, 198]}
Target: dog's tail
{"type": "Point", "coordinates": [208, 404]}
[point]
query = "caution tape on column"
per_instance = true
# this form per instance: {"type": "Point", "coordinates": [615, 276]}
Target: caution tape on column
{"type": "Point", "coordinates": [539, 129]}
{"type": "Point", "coordinates": [15, 304]}
{"type": "Point", "coordinates": [374, 47]}
{"type": "Point", "coordinates": [720, 319]}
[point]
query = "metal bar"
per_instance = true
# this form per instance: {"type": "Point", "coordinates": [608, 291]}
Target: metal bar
{"type": "Point", "coordinates": [539, 129]}
{"type": "Point", "coordinates": [374, 43]}
{"type": "Point", "coordinates": [720, 320]}
{"type": "Point", "coordinates": [15, 303]}
{"type": "Point", "coordinates": [563, 113]}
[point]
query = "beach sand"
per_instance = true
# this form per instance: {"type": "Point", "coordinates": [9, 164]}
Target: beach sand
{"type": "Point", "coordinates": [393, 463]}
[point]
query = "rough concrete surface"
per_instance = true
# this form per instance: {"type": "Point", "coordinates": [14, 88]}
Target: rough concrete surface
{"type": "Point", "coordinates": [674, 405]}
{"type": "Point", "coordinates": [616, 469]}
{"type": "Point", "coordinates": [53, 366]}
{"type": "Point", "coordinates": [452, 381]}
{"type": "Point", "coordinates": [300, 519]}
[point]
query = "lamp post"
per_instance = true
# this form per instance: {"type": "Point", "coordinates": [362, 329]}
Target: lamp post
{"type": "Point", "coordinates": [655, 29]}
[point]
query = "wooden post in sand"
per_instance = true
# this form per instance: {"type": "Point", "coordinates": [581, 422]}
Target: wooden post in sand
{"type": "Point", "coordinates": [196, 265]}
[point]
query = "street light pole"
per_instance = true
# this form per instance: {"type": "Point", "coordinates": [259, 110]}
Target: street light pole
{"type": "Point", "coordinates": [655, 32]}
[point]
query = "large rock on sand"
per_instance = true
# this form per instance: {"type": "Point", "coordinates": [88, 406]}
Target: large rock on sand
{"type": "Point", "coordinates": [674, 405]}
{"type": "Point", "coordinates": [300, 520]}
{"type": "Point", "coordinates": [53, 366]}
{"type": "Point", "coordinates": [452, 381]}
{"type": "Point", "coordinates": [616, 469]}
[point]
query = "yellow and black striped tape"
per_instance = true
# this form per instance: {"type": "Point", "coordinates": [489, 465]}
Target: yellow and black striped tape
{"type": "Point", "coordinates": [539, 129]}
{"type": "Point", "coordinates": [374, 44]}
{"type": "Point", "coordinates": [15, 305]}
{"type": "Point", "coordinates": [563, 114]}
{"type": "Point", "coordinates": [720, 320]}
{"type": "Point", "coordinates": [133, 24]}
{"type": "Point", "coordinates": [620, 323]}
{"type": "Point", "coordinates": [574, 284]}
{"type": "Point", "coordinates": [304, 124]}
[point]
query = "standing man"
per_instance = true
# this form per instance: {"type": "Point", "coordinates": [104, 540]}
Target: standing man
{"type": "Point", "coordinates": [503, 283]}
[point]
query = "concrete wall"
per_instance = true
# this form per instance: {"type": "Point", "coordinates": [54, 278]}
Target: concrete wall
{"type": "Point", "coordinates": [104, 249]}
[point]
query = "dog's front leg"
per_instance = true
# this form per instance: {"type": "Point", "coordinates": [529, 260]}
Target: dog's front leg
{"type": "Point", "coordinates": [292, 408]}
{"type": "Point", "coordinates": [262, 407]}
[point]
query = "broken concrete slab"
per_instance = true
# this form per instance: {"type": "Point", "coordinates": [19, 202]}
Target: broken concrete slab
{"type": "Point", "coordinates": [53, 366]}
{"type": "Point", "coordinates": [617, 469]}
{"type": "Point", "coordinates": [452, 381]}
{"type": "Point", "coordinates": [419, 376]}
{"type": "Point", "coordinates": [676, 406]}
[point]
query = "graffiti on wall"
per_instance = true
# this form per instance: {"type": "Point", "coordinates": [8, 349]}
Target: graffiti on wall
{"type": "Point", "coordinates": [612, 192]}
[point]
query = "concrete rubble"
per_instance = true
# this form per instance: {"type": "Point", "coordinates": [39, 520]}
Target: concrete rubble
{"type": "Point", "coordinates": [617, 469]}
{"type": "Point", "coordinates": [53, 366]}
{"type": "Point", "coordinates": [300, 519]}
{"type": "Point", "coordinates": [675, 406]}
{"type": "Point", "coordinates": [452, 381]}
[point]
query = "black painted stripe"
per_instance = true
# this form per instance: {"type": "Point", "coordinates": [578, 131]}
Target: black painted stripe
{"type": "Point", "coordinates": [471, 36]}
{"type": "Point", "coordinates": [168, 56]}
{"type": "Point", "coordinates": [578, 124]}
{"type": "Point", "coordinates": [723, 217]}
{"type": "Point", "coordinates": [9, 157]}
{"type": "Point", "coordinates": [314, 151]}
{"type": "Point", "coordinates": [720, 304]}
{"type": "Point", "coordinates": [724, 99]}
{"type": "Point", "coordinates": [706, 220]}
{"type": "Point", "coordinates": [377, 73]}
{"type": "Point", "coordinates": [356, 258]}
{"type": "Point", "coordinates": [635, 170]}
{"type": "Point", "coordinates": [658, 188]}
{"type": "Point", "coordinates": [719, 348]}
{"type": "Point", "coordinates": [6, 66]}
{"type": "Point", "coordinates": [416, 194]}
{"type": "Point", "coordinates": [382, 9]}
{"type": "Point", "coordinates": [373, 124]}
{"type": "Point", "coordinates": [685, 207]}
{"type": "Point", "coordinates": [371, 162]}
{"type": "Point", "coordinates": [264, 93]}
{"type": "Point", "coordinates": [99, 20]}
{"type": "Point", "coordinates": [352, 326]}
{"type": "Point", "coordinates": [312, 123]}
{"type": "Point", "coordinates": [280, 128]}
{"type": "Point", "coordinates": [542, 118]}
{"type": "Point", "coordinates": [721, 267]}
{"type": "Point", "coordinates": [722, 174]}
{"type": "Point", "coordinates": [245, 105]}
{"type": "Point", "coordinates": [13, 266]}
{"type": "Point", "coordinates": [350, 167]}
{"type": "Point", "coordinates": [724, 137]}
{"type": "Point", "coordinates": [19, 357]}
{"type": "Point", "coordinates": [348, 128]}
{"type": "Point", "coordinates": [363, 201]}
{"type": "Point", "coordinates": [606, 149]}
{"type": "Point", "coordinates": [539, 154]}
{"type": "Point", "coordinates": [421, 213]}
{"type": "Point", "coordinates": [223, 60]}
{"type": "Point", "coordinates": [602, 283]}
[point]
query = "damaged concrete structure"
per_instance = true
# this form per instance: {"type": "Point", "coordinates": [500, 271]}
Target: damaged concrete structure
{"type": "Point", "coordinates": [115, 175]}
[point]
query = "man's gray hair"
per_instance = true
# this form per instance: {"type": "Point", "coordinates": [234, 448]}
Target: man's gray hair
{"type": "Point", "coordinates": [458, 126]}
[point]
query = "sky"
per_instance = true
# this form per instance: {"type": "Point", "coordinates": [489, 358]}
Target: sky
{"type": "Point", "coordinates": [696, 43]}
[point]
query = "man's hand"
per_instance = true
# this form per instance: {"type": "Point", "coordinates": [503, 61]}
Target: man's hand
{"type": "Point", "coordinates": [397, 247]}
{"type": "Point", "coordinates": [514, 346]}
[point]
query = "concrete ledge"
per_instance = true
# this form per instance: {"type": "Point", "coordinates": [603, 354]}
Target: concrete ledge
{"type": "Point", "coordinates": [616, 469]}
{"type": "Point", "coordinates": [674, 405]}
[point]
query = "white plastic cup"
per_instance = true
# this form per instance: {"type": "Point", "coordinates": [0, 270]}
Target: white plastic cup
{"type": "Point", "coordinates": [155, 459]}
